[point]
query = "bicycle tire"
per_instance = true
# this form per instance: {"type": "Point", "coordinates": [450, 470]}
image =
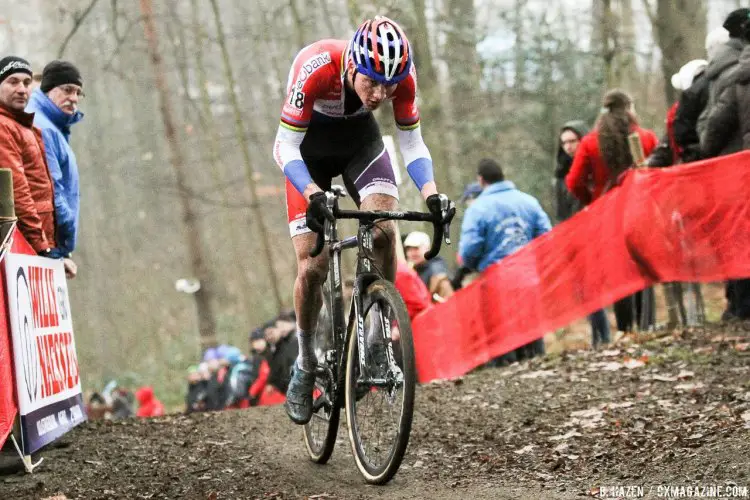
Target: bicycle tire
{"type": "Point", "coordinates": [383, 292]}
{"type": "Point", "coordinates": [321, 452]}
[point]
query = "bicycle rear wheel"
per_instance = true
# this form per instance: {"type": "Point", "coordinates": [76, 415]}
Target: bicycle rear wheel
{"type": "Point", "coordinates": [322, 429]}
{"type": "Point", "coordinates": [380, 404]}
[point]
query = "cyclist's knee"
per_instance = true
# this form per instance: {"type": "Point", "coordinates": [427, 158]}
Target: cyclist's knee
{"type": "Point", "coordinates": [312, 271]}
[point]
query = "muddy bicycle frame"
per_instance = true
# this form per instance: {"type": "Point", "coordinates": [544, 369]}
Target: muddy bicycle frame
{"type": "Point", "coordinates": [366, 272]}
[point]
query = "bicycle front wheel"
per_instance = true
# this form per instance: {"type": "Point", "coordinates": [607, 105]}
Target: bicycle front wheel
{"type": "Point", "coordinates": [380, 397]}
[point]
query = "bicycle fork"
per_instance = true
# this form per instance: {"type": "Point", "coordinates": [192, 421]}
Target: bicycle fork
{"type": "Point", "coordinates": [364, 277]}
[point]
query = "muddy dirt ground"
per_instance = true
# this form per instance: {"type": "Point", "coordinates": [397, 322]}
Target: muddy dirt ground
{"type": "Point", "coordinates": [671, 411]}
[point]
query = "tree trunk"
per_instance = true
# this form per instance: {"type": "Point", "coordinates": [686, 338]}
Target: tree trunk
{"type": "Point", "coordinates": [680, 27]}
{"type": "Point", "coordinates": [608, 40]}
{"type": "Point", "coordinates": [437, 130]}
{"type": "Point", "coordinates": [519, 56]}
{"type": "Point", "coordinates": [193, 239]}
{"type": "Point", "coordinates": [210, 128]}
{"type": "Point", "coordinates": [626, 73]}
{"type": "Point", "coordinates": [249, 169]}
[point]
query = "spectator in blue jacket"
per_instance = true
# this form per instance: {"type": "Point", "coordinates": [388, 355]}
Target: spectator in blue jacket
{"type": "Point", "coordinates": [55, 104]}
{"type": "Point", "coordinates": [499, 222]}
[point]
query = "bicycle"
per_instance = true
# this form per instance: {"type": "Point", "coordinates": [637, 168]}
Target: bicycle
{"type": "Point", "coordinates": [346, 377]}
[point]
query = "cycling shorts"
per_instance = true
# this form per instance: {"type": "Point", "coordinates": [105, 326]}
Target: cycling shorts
{"type": "Point", "coordinates": [352, 148]}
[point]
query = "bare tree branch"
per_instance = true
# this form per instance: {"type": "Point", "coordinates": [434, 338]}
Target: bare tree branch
{"type": "Point", "coordinates": [78, 19]}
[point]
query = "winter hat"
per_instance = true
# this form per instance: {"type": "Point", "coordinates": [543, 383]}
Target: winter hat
{"type": "Point", "coordinates": [736, 21]}
{"type": "Point", "coordinates": [683, 79]}
{"type": "Point", "coordinates": [13, 64]}
{"type": "Point", "coordinates": [59, 73]}
{"type": "Point", "coordinates": [472, 191]}
{"type": "Point", "coordinates": [715, 39]}
{"type": "Point", "coordinates": [417, 239]}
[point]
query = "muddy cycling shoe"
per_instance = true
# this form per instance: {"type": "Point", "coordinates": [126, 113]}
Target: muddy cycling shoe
{"type": "Point", "coordinates": [299, 400]}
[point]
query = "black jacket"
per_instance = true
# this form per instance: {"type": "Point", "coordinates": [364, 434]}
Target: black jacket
{"type": "Point", "coordinates": [730, 117]}
{"type": "Point", "coordinates": [720, 73]}
{"type": "Point", "coordinates": [280, 359]}
{"type": "Point", "coordinates": [692, 103]}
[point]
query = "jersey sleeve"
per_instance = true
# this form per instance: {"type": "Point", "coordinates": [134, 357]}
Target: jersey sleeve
{"type": "Point", "coordinates": [306, 78]}
{"type": "Point", "coordinates": [414, 150]}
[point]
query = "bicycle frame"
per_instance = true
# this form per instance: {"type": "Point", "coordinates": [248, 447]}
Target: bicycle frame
{"type": "Point", "coordinates": [365, 274]}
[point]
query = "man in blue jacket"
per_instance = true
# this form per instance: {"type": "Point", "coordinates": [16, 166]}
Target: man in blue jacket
{"type": "Point", "coordinates": [499, 222]}
{"type": "Point", "coordinates": [55, 104]}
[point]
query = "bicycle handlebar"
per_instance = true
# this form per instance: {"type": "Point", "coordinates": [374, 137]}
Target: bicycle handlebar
{"type": "Point", "coordinates": [440, 231]}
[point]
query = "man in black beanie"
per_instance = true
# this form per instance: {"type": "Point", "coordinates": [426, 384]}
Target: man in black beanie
{"type": "Point", "coordinates": [22, 151]}
{"type": "Point", "coordinates": [18, 68]}
{"type": "Point", "coordinates": [55, 107]}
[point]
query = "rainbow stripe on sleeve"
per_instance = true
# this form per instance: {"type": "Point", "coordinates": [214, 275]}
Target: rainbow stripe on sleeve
{"type": "Point", "coordinates": [293, 125]}
{"type": "Point", "coordinates": [408, 126]}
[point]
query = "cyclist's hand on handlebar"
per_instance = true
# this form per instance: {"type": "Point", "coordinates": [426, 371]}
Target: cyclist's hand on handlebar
{"type": "Point", "coordinates": [317, 212]}
{"type": "Point", "coordinates": [441, 207]}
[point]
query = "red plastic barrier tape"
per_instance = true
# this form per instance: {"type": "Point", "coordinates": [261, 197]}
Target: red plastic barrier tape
{"type": "Point", "coordinates": [686, 223]}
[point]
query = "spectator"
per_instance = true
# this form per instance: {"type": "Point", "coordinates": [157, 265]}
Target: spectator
{"type": "Point", "coordinates": [669, 151]}
{"type": "Point", "coordinates": [501, 221]}
{"type": "Point", "coordinates": [148, 405]}
{"type": "Point", "coordinates": [693, 99]}
{"type": "Point", "coordinates": [604, 157]}
{"type": "Point", "coordinates": [434, 272]}
{"type": "Point", "coordinates": [22, 150]}
{"type": "Point", "coordinates": [720, 75]}
{"type": "Point", "coordinates": [55, 108]}
{"type": "Point", "coordinates": [197, 393]}
{"type": "Point", "coordinates": [273, 351]}
{"type": "Point", "coordinates": [471, 192]}
{"type": "Point", "coordinates": [412, 289]}
{"type": "Point", "coordinates": [570, 136]}
{"type": "Point", "coordinates": [281, 353]}
{"type": "Point", "coordinates": [731, 116]}
{"type": "Point", "coordinates": [729, 119]}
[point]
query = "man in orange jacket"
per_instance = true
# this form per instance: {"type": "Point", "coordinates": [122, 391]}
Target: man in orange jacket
{"type": "Point", "coordinates": [22, 150]}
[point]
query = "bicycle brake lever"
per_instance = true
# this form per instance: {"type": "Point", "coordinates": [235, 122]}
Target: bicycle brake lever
{"type": "Point", "coordinates": [447, 233]}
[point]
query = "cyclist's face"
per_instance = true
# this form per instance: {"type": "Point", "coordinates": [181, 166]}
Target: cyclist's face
{"type": "Point", "coordinates": [371, 93]}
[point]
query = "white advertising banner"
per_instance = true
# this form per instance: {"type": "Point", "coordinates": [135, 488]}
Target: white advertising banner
{"type": "Point", "coordinates": [46, 365]}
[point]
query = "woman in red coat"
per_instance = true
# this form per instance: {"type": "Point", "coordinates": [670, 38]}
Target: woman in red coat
{"type": "Point", "coordinates": [599, 164]}
{"type": "Point", "coordinates": [604, 155]}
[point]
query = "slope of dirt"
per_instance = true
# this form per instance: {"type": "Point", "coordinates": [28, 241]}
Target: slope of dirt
{"type": "Point", "coordinates": [672, 411]}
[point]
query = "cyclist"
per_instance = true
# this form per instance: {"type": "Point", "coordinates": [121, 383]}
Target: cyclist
{"type": "Point", "coordinates": [327, 129]}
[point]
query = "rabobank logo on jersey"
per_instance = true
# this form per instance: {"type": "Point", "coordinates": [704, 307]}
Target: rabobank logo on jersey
{"type": "Point", "coordinates": [310, 66]}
